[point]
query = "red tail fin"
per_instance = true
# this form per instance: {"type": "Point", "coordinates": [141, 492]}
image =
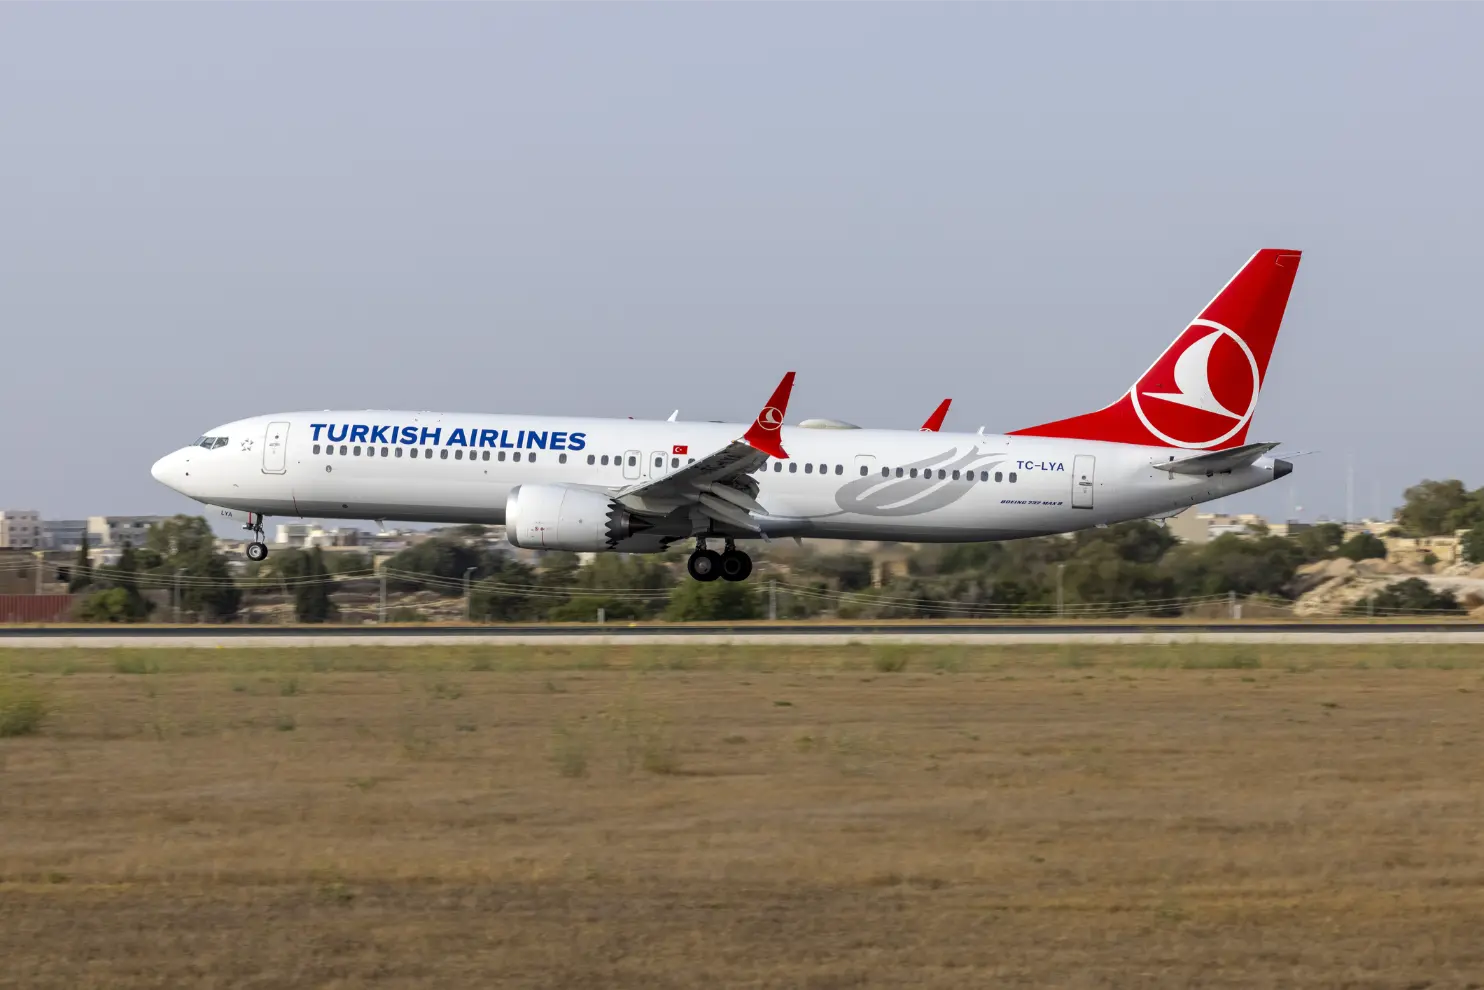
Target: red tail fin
{"type": "Point", "coordinates": [1203, 390]}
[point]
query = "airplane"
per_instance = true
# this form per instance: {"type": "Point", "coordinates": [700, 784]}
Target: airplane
{"type": "Point", "coordinates": [1176, 438]}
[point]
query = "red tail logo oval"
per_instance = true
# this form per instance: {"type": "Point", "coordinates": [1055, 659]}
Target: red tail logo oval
{"type": "Point", "coordinates": [1202, 391]}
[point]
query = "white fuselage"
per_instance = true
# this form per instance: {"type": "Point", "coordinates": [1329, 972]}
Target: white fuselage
{"type": "Point", "coordinates": [840, 484]}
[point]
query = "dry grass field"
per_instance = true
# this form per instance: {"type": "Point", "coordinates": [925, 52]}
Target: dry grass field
{"type": "Point", "coordinates": [1158, 816]}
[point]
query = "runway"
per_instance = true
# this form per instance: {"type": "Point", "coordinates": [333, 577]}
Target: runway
{"type": "Point", "coordinates": [760, 634]}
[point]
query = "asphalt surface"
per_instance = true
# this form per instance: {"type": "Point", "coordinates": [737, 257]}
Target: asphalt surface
{"type": "Point", "coordinates": [1406, 631]}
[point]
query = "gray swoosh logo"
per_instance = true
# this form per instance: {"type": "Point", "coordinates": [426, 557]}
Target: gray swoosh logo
{"type": "Point", "coordinates": [908, 496]}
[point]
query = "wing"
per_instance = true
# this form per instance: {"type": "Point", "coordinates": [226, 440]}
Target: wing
{"type": "Point", "coordinates": [720, 485]}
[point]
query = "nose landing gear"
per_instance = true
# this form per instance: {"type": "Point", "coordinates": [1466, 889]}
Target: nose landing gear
{"type": "Point", "coordinates": [256, 550]}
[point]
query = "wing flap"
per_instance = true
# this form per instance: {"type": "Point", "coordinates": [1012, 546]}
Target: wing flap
{"type": "Point", "coordinates": [725, 512]}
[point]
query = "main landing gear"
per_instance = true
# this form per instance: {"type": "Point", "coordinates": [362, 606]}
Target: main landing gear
{"type": "Point", "coordinates": [708, 565]}
{"type": "Point", "coordinates": [256, 550]}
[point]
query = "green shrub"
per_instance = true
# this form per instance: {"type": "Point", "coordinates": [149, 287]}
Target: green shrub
{"type": "Point", "coordinates": [889, 659]}
{"type": "Point", "coordinates": [23, 709]}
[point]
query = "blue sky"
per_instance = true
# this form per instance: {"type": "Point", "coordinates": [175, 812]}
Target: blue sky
{"type": "Point", "coordinates": [212, 211]}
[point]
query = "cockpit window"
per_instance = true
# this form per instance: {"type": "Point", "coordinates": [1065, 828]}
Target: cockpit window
{"type": "Point", "coordinates": [210, 443]}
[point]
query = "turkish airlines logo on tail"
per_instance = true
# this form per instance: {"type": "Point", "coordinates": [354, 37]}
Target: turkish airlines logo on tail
{"type": "Point", "coordinates": [771, 418]}
{"type": "Point", "coordinates": [1202, 391]}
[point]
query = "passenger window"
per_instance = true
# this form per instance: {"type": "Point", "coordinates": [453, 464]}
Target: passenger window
{"type": "Point", "coordinates": [808, 468]}
{"type": "Point", "coordinates": [458, 455]}
{"type": "Point", "coordinates": [486, 456]}
{"type": "Point", "coordinates": [690, 460]}
{"type": "Point", "coordinates": [633, 461]}
{"type": "Point", "coordinates": [777, 466]}
{"type": "Point", "coordinates": [531, 457]}
{"type": "Point", "coordinates": [515, 456]}
{"type": "Point", "coordinates": [955, 476]}
{"type": "Point", "coordinates": [659, 462]}
{"type": "Point", "coordinates": [355, 452]}
{"type": "Point", "coordinates": [500, 456]}
{"type": "Point", "coordinates": [863, 470]}
{"type": "Point", "coordinates": [899, 472]}
{"type": "Point", "coordinates": [399, 451]}
{"type": "Point", "coordinates": [443, 453]}
{"type": "Point", "coordinates": [840, 469]}
{"type": "Point", "coordinates": [561, 458]}
{"type": "Point", "coordinates": [386, 452]}
{"type": "Point", "coordinates": [914, 472]}
{"type": "Point", "coordinates": [674, 462]}
{"type": "Point", "coordinates": [604, 461]}
{"type": "Point", "coordinates": [793, 467]}
{"type": "Point", "coordinates": [942, 474]}
{"type": "Point", "coordinates": [342, 450]}
{"type": "Point", "coordinates": [592, 458]}
{"type": "Point", "coordinates": [316, 448]}
{"type": "Point", "coordinates": [999, 476]}
{"type": "Point", "coordinates": [1012, 477]}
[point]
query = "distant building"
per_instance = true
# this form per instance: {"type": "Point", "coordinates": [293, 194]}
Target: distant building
{"type": "Point", "coordinates": [20, 528]}
{"type": "Point", "coordinates": [305, 535]}
{"type": "Point", "coordinates": [111, 532]}
{"type": "Point", "coordinates": [292, 534]}
{"type": "Point", "coordinates": [64, 534]}
{"type": "Point", "coordinates": [1192, 526]}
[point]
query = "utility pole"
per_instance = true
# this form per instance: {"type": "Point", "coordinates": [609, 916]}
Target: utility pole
{"type": "Point", "coordinates": [1231, 604]}
{"type": "Point", "coordinates": [468, 595]}
{"type": "Point", "coordinates": [175, 595]}
{"type": "Point", "coordinates": [602, 614]}
{"type": "Point", "coordinates": [1350, 488]}
{"type": "Point", "coordinates": [1061, 570]}
{"type": "Point", "coordinates": [40, 565]}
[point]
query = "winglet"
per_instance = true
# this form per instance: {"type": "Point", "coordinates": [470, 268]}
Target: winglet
{"type": "Point", "coordinates": [935, 421]}
{"type": "Point", "coordinates": [765, 432]}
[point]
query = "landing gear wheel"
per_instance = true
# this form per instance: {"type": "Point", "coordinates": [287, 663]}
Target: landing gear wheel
{"type": "Point", "coordinates": [704, 565]}
{"type": "Point", "coordinates": [257, 551]}
{"type": "Point", "coordinates": [735, 565]}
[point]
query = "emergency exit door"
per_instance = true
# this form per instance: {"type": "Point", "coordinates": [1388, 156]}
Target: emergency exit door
{"type": "Point", "coordinates": [1082, 468]}
{"type": "Point", "coordinates": [275, 448]}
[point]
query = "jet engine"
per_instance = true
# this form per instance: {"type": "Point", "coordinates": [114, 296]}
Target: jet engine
{"type": "Point", "coordinates": [560, 517]}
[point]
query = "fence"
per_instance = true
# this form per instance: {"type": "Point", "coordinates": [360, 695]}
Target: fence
{"type": "Point", "coordinates": [364, 596]}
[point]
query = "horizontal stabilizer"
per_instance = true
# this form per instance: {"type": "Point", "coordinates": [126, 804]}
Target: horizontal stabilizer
{"type": "Point", "coordinates": [1220, 460]}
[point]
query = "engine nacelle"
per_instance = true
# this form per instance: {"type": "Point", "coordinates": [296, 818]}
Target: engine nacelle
{"type": "Point", "coordinates": [560, 517]}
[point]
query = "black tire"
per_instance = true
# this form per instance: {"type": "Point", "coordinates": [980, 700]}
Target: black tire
{"type": "Point", "coordinates": [735, 565]}
{"type": "Point", "coordinates": [704, 565]}
{"type": "Point", "coordinates": [257, 551]}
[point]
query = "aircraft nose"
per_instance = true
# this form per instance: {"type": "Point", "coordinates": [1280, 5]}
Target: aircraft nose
{"type": "Point", "coordinates": [169, 470]}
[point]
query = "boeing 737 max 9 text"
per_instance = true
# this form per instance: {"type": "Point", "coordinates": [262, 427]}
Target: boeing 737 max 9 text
{"type": "Point", "coordinates": [1176, 438]}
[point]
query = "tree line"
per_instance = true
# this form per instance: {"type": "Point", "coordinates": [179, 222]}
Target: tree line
{"type": "Point", "coordinates": [1138, 563]}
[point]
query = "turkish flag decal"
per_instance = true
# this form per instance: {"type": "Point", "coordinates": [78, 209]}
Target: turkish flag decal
{"type": "Point", "coordinates": [680, 448]}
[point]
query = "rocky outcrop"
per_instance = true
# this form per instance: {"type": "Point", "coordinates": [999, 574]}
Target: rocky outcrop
{"type": "Point", "coordinates": [1329, 587]}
